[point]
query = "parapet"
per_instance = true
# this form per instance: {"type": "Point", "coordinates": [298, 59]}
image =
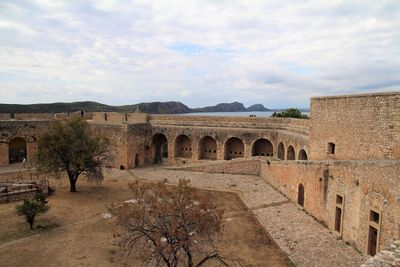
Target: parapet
{"type": "Point", "coordinates": [116, 117]}
{"type": "Point", "coordinates": [33, 116]}
{"type": "Point", "coordinates": [5, 116]}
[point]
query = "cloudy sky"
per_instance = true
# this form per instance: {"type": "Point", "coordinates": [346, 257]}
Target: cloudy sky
{"type": "Point", "coordinates": [278, 53]}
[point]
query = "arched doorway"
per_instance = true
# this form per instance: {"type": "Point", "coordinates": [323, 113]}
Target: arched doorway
{"type": "Point", "coordinates": [208, 148]}
{"type": "Point", "coordinates": [234, 148]}
{"type": "Point", "coordinates": [281, 151]}
{"type": "Point", "coordinates": [290, 153]}
{"type": "Point", "coordinates": [300, 197]}
{"type": "Point", "coordinates": [302, 155]}
{"type": "Point", "coordinates": [17, 150]}
{"type": "Point", "coordinates": [262, 147]}
{"type": "Point", "coordinates": [183, 147]}
{"type": "Point", "coordinates": [160, 148]}
{"type": "Point", "coordinates": [137, 160]}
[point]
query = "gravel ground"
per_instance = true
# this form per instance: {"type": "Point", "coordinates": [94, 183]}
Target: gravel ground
{"type": "Point", "coordinates": [300, 236]}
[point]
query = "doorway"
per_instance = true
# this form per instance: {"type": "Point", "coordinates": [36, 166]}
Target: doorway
{"type": "Point", "coordinates": [300, 198]}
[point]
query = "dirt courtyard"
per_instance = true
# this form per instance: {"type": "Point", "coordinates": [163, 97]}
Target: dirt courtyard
{"type": "Point", "coordinates": [73, 232]}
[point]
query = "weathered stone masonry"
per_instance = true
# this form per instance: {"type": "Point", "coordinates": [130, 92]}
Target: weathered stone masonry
{"type": "Point", "coordinates": [342, 165]}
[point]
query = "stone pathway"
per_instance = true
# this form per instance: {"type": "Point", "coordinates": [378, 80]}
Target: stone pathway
{"type": "Point", "coordinates": [300, 236]}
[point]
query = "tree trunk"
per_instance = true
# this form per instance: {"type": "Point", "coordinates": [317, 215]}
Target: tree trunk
{"type": "Point", "coordinates": [72, 181]}
{"type": "Point", "coordinates": [30, 220]}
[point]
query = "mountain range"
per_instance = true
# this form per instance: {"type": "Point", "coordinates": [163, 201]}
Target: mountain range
{"type": "Point", "coordinates": [170, 107]}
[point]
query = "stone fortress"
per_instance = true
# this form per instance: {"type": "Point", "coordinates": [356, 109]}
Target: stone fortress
{"type": "Point", "coordinates": [342, 165]}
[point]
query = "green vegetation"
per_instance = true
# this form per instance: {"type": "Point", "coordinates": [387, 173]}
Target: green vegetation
{"type": "Point", "coordinates": [30, 208]}
{"type": "Point", "coordinates": [75, 148]}
{"type": "Point", "coordinates": [290, 113]}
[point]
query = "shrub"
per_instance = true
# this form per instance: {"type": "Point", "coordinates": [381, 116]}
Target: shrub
{"type": "Point", "coordinates": [30, 208]}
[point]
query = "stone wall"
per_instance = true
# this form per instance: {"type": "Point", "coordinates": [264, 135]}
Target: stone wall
{"type": "Point", "coordinates": [295, 126]}
{"type": "Point", "coordinates": [363, 185]}
{"type": "Point", "coordinates": [27, 130]}
{"type": "Point", "coordinates": [140, 151]}
{"type": "Point", "coordinates": [361, 126]}
{"type": "Point", "coordinates": [117, 117]}
{"type": "Point", "coordinates": [222, 135]}
{"type": "Point", "coordinates": [118, 134]}
{"type": "Point", "coordinates": [243, 167]}
{"type": "Point", "coordinates": [388, 257]}
{"type": "Point", "coordinates": [5, 116]}
{"type": "Point", "coordinates": [33, 116]}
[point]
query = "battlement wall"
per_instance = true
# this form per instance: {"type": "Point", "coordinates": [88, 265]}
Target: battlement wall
{"type": "Point", "coordinates": [298, 126]}
{"type": "Point", "coordinates": [118, 117]}
{"type": "Point", "coordinates": [33, 116]}
{"type": "Point", "coordinates": [44, 116]}
{"type": "Point", "coordinates": [226, 119]}
{"type": "Point", "coordinates": [5, 116]}
{"type": "Point", "coordinates": [358, 127]}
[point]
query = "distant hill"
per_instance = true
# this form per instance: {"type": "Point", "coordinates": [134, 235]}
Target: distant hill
{"type": "Point", "coordinates": [162, 108]}
{"type": "Point", "coordinates": [60, 107]}
{"type": "Point", "coordinates": [222, 107]}
{"type": "Point", "coordinates": [257, 107]}
{"type": "Point", "coordinates": [150, 107]}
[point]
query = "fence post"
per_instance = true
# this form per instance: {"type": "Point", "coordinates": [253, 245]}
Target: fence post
{"type": "Point", "coordinates": [8, 200]}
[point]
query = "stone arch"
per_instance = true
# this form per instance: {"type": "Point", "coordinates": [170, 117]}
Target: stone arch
{"type": "Point", "coordinates": [291, 155]}
{"type": "Point", "coordinates": [207, 148]}
{"type": "Point", "coordinates": [234, 148]}
{"type": "Point", "coordinates": [262, 147]}
{"type": "Point", "coordinates": [281, 151]}
{"type": "Point", "coordinates": [183, 147]}
{"type": "Point", "coordinates": [160, 147]}
{"type": "Point", "coordinates": [17, 150]}
{"type": "Point", "coordinates": [302, 155]}
{"type": "Point", "coordinates": [300, 195]}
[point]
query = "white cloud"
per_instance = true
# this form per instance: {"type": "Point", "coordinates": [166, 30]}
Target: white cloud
{"type": "Point", "coordinates": [22, 28]}
{"type": "Point", "coordinates": [198, 52]}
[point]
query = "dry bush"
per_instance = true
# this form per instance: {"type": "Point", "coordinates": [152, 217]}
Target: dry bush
{"type": "Point", "coordinates": [170, 225]}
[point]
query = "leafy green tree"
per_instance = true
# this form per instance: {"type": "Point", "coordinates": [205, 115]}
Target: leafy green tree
{"type": "Point", "coordinates": [290, 113]}
{"type": "Point", "coordinates": [73, 147]}
{"type": "Point", "coordinates": [30, 208]}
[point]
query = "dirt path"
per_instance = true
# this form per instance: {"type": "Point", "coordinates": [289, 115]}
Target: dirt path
{"type": "Point", "coordinates": [74, 233]}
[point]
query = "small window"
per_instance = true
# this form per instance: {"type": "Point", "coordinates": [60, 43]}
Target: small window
{"type": "Point", "coordinates": [105, 116]}
{"type": "Point", "coordinates": [374, 216]}
{"type": "Point", "coordinates": [339, 199]}
{"type": "Point", "coordinates": [215, 151]}
{"type": "Point", "coordinates": [126, 116]}
{"type": "Point", "coordinates": [331, 148]}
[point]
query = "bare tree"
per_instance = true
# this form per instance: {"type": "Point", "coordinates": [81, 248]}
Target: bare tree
{"type": "Point", "coordinates": [170, 225]}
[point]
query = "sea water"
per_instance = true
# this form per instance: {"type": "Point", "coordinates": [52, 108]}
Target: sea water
{"type": "Point", "coordinates": [239, 114]}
